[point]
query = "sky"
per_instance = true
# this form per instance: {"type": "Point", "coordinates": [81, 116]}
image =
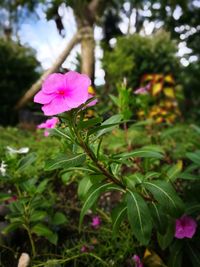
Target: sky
{"type": "Point", "coordinates": [43, 36]}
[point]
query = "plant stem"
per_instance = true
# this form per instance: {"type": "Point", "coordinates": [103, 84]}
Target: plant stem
{"type": "Point", "coordinates": [92, 156]}
{"type": "Point", "coordinates": [31, 241]}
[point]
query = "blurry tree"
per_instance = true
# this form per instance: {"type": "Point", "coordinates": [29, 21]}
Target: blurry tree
{"type": "Point", "coordinates": [181, 18]}
{"type": "Point", "coordinates": [18, 70]}
{"type": "Point", "coordinates": [137, 55]}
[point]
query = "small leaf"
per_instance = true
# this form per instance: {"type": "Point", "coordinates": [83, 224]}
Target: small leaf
{"type": "Point", "coordinates": [26, 161]}
{"type": "Point", "coordinates": [139, 217]}
{"type": "Point", "coordinates": [107, 126]}
{"type": "Point", "coordinates": [195, 157]}
{"type": "Point", "coordinates": [38, 215]}
{"type": "Point", "coordinates": [11, 227]}
{"type": "Point", "coordinates": [65, 162]}
{"type": "Point", "coordinates": [43, 230]}
{"type": "Point", "coordinates": [84, 186]}
{"type": "Point", "coordinates": [134, 179]}
{"type": "Point", "coordinates": [41, 187]}
{"type": "Point", "coordinates": [173, 172]}
{"type": "Point", "coordinates": [59, 218]}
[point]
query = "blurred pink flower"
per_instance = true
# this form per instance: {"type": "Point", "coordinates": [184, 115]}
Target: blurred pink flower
{"type": "Point", "coordinates": [137, 261]}
{"type": "Point", "coordinates": [84, 249]}
{"type": "Point", "coordinates": [185, 227]}
{"type": "Point", "coordinates": [62, 92]}
{"type": "Point", "coordinates": [143, 90]}
{"type": "Point", "coordinates": [96, 222]}
{"type": "Point", "coordinates": [12, 199]}
{"type": "Point", "coordinates": [48, 124]}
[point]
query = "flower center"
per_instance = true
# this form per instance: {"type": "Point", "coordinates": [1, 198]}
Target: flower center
{"type": "Point", "coordinates": [61, 92]}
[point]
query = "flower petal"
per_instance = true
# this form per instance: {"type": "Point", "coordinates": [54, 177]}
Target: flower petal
{"type": "Point", "coordinates": [77, 86]}
{"type": "Point", "coordinates": [56, 106]}
{"type": "Point", "coordinates": [53, 83]}
{"type": "Point", "coordinates": [43, 98]}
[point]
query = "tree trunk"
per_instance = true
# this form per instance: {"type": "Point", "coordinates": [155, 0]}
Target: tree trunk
{"type": "Point", "coordinates": [37, 85]}
{"type": "Point", "coordinates": [87, 52]}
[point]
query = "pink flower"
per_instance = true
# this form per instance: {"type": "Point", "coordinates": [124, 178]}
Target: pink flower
{"type": "Point", "coordinates": [185, 227]}
{"type": "Point", "coordinates": [95, 222]}
{"type": "Point", "coordinates": [62, 92]}
{"type": "Point", "coordinates": [48, 124]}
{"type": "Point", "coordinates": [137, 261]}
{"type": "Point", "coordinates": [143, 90]}
{"type": "Point", "coordinates": [84, 249]}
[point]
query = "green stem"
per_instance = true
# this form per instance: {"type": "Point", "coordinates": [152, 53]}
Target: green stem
{"type": "Point", "coordinates": [31, 241]}
{"type": "Point", "coordinates": [91, 155]}
{"type": "Point", "coordinates": [71, 258]}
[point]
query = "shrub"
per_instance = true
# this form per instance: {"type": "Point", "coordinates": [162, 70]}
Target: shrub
{"type": "Point", "coordinates": [18, 70]}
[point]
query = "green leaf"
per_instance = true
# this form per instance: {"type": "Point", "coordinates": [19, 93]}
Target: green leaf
{"type": "Point", "coordinates": [43, 230]}
{"type": "Point", "coordinates": [65, 162]}
{"type": "Point", "coordinates": [84, 186]}
{"type": "Point", "coordinates": [188, 176]}
{"type": "Point", "coordinates": [176, 254]}
{"type": "Point", "coordinates": [118, 214]}
{"type": "Point", "coordinates": [192, 208]}
{"type": "Point", "coordinates": [107, 126]}
{"type": "Point", "coordinates": [11, 227]}
{"type": "Point", "coordinates": [151, 175]}
{"type": "Point", "coordinates": [114, 99]}
{"type": "Point", "coordinates": [41, 187]}
{"type": "Point", "coordinates": [165, 240]}
{"type": "Point", "coordinates": [194, 254]}
{"type": "Point", "coordinates": [134, 179]}
{"type": "Point", "coordinates": [38, 215]}
{"type": "Point", "coordinates": [89, 123]}
{"type": "Point", "coordinates": [66, 177]}
{"type": "Point", "coordinates": [59, 218]}
{"type": "Point", "coordinates": [174, 171]}
{"type": "Point", "coordinates": [139, 217]}
{"type": "Point", "coordinates": [4, 197]}
{"type": "Point", "coordinates": [92, 196]}
{"type": "Point", "coordinates": [195, 157]}
{"type": "Point", "coordinates": [26, 161]}
{"type": "Point", "coordinates": [160, 219]}
{"type": "Point", "coordinates": [140, 153]}
{"type": "Point", "coordinates": [165, 195]}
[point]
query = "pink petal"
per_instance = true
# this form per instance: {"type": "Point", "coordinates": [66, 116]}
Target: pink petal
{"type": "Point", "coordinates": [185, 227]}
{"type": "Point", "coordinates": [46, 133]}
{"type": "Point", "coordinates": [53, 83]}
{"type": "Point", "coordinates": [43, 98]}
{"type": "Point", "coordinates": [56, 106]}
{"type": "Point", "coordinates": [42, 125]}
{"type": "Point", "coordinates": [77, 86]}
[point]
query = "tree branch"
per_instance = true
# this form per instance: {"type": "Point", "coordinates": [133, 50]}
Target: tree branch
{"type": "Point", "coordinates": [37, 85]}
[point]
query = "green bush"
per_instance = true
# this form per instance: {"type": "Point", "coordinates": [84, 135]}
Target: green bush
{"type": "Point", "coordinates": [136, 55]}
{"type": "Point", "coordinates": [18, 70]}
